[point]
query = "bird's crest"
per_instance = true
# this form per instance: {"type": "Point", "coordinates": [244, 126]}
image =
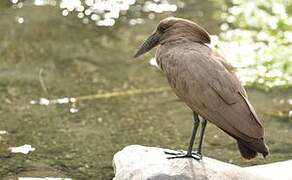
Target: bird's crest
{"type": "Point", "coordinates": [178, 27]}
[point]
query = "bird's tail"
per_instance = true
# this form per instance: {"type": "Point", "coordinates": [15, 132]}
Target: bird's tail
{"type": "Point", "coordinates": [249, 150]}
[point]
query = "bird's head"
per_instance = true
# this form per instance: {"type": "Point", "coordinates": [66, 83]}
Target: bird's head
{"type": "Point", "coordinates": [173, 28]}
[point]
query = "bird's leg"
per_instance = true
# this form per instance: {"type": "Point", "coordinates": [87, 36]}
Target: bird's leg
{"type": "Point", "coordinates": [193, 137]}
{"type": "Point", "coordinates": [189, 152]}
{"type": "Point", "coordinates": [203, 127]}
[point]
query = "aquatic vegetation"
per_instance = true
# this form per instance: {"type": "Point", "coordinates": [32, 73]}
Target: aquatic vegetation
{"type": "Point", "coordinates": [257, 38]}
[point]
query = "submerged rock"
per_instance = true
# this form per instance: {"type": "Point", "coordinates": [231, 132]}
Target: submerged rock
{"type": "Point", "coordinates": [137, 162]}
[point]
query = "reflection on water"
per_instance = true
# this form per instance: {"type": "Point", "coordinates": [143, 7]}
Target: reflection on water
{"type": "Point", "coordinates": [104, 12]}
{"type": "Point", "coordinates": [45, 2]}
{"type": "Point", "coordinates": [20, 20]}
{"type": "Point", "coordinates": [3, 132]}
{"type": "Point", "coordinates": [74, 93]}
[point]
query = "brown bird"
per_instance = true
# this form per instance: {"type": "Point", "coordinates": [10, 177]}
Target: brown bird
{"type": "Point", "coordinates": [207, 84]}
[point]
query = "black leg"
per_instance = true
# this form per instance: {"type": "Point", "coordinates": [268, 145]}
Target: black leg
{"type": "Point", "coordinates": [193, 137]}
{"type": "Point", "coordinates": [203, 127]}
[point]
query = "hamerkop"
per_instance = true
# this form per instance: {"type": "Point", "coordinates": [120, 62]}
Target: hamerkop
{"type": "Point", "coordinates": [207, 84]}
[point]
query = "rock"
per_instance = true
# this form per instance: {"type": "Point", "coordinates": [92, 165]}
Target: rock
{"type": "Point", "coordinates": [137, 162]}
{"type": "Point", "coordinates": [278, 170]}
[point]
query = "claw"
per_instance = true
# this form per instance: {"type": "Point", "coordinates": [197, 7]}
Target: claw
{"type": "Point", "coordinates": [185, 156]}
{"type": "Point", "coordinates": [179, 152]}
{"type": "Point", "coordinates": [197, 154]}
{"type": "Point", "coordinates": [194, 155]}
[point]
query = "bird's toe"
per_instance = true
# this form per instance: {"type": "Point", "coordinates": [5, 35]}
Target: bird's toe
{"type": "Point", "coordinates": [180, 155]}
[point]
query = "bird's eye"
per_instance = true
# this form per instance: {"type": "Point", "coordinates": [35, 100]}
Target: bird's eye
{"type": "Point", "coordinates": [162, 28]}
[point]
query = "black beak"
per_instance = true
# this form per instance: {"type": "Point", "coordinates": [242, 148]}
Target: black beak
{"type": "Point", "coordinates": [150, 43]}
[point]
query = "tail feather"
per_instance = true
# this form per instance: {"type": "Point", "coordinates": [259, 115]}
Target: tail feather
{"type": "Point", "coordinates": [249, 150]}
{"type": "Point", "coordinates": [246, 152]}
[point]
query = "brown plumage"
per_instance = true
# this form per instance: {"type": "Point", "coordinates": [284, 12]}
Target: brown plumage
{"type": "Point", "coordinates": [206, 83]}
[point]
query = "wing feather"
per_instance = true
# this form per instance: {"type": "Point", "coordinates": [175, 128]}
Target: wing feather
{"type": "Point", "coordinates": [210, 88]}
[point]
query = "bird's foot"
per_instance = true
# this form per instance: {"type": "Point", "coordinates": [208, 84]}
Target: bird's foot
{"type": "Point", "coordinates": [198, 154]}
{"type": "Point", "coordinates": [181, 154]}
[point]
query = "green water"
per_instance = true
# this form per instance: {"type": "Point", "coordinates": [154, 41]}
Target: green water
{"type": "Point", "coordinates": [80, 60]}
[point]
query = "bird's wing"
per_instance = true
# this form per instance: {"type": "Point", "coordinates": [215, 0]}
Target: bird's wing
{"type": "Point", "coordinates": [210, 89]}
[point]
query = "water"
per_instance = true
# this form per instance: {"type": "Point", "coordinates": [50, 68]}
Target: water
{"type": "Point", "coordinates": [46, 55]}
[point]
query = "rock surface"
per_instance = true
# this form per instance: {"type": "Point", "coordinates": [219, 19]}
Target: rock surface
{"type": "Point", "coordinates": [137, 162]}
{"type": "Point", "coordinates": [278, 170]}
